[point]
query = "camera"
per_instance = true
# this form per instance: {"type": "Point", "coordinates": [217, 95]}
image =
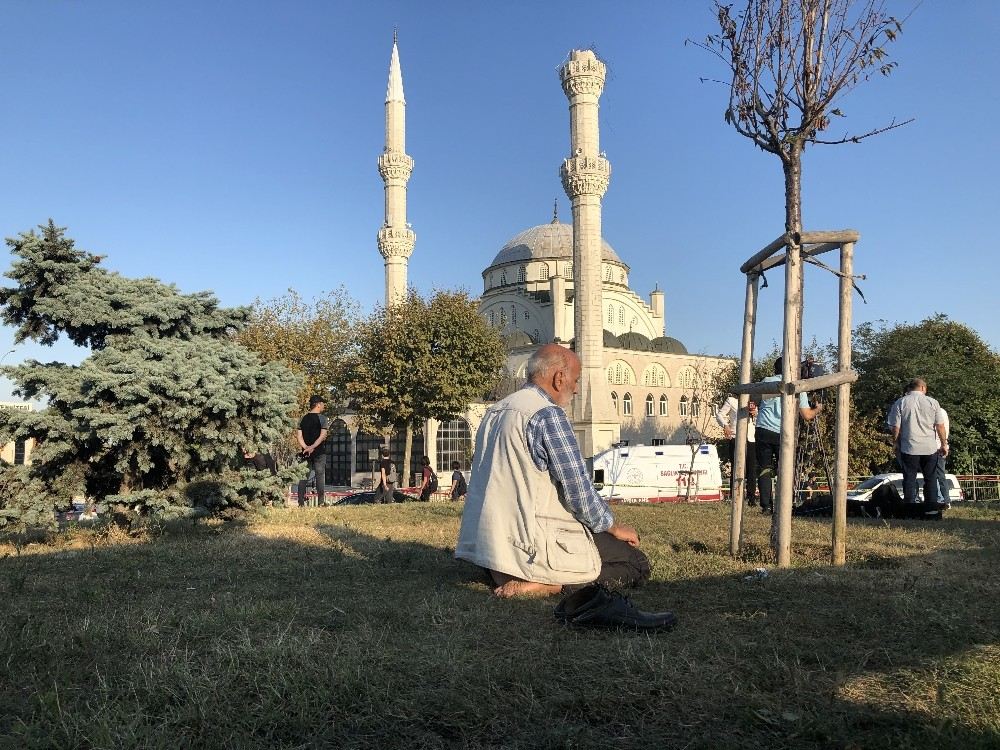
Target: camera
{"type": "Point", "coordinates": [810, 368]}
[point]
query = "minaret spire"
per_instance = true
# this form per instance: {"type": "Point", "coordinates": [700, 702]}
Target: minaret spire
{"type": "Point", "coordinates": [395, 238]}
{"type": "Point", "coordinates": [585, 176]}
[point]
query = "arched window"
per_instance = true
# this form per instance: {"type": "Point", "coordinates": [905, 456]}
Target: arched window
{"type": "Point", "coordinates": [627, 404]}
{"type": "Point", "coordinates": [338, 455]}
{"type": "Point", "coordinates": [513, 314]}
{"type": "Point", "coordinates": [503, 317]}
{"type": "Point", "coordinates": [569, 269]}
{"type": "Point", "coordinates": [683, 410]}
{"type": "Point", "coordinates": [492, 318]}
{"type": "Point", "coordinates": [611, 314]}
{"type": "Point", "coordinates": [621, 315]}
{"type": "Point", "coordinates": [664, 406]}
{"type": "Point", "coordinates": [521, 274]}
{"type": "Point", "coordinates": [536, 336]}
{"type": "Point", "coordinates": [397, 446]}
{"type": "Point", "coordinates": [655, 375]}
{"type": "Point", "coordinates": [364, 443]}
{"type": "Point", "coordinates": [503, 277]}
{"type": "Point", "coordinates": [454, 443]}
{"type": "Point", "coordinates": [649, 405]}
{"type": "Point", "coordinates": [543, 271]}
{"type": "Point", "coordinates": [621, 373]}
{"type": "Point", "coordinates": [614, 401]}
{"type": "Point", "coordinates": [621, 277]}
{"type": "Point", "coordinates": [526, 315]}
{"type": "Point", "coordinates": [607, 273]}
{"type": "Point", "coordinates": [695, 408]}
{"type": "Point", "coordinates": [687, 377]}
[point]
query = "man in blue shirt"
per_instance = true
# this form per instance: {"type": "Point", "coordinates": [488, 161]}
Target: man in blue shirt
{"type": "Point", "coordinates": [768, 437]}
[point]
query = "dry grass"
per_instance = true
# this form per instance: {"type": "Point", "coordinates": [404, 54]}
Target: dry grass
{"type": "Point", "coordinates": [355, 627]}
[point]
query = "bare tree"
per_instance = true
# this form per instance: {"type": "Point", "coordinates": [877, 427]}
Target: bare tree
{"type": "Point", "coordinates": [791, 62]}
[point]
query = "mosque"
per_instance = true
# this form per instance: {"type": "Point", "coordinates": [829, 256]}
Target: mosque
{"type": "Point", "coordinates": [637, 383]}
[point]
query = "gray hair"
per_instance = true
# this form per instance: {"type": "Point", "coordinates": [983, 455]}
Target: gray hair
{"type": "Point", "coordinates": [545, 360]}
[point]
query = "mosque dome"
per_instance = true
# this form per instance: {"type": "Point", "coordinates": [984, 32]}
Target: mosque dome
{"type": "Point", "coordinates": [546, 241]}
{"type": "Point", "coordinates": [636, 341]}
{"type": "Point", "coordinates": [611, 340]}
{"type": "Point", "coordinates": [668, 345]}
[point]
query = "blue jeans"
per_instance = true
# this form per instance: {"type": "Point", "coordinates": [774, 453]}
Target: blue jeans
{"type": "Point", "coordinates": [944, 491]}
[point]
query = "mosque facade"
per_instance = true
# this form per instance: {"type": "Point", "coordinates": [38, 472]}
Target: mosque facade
{"type": "Point", "coordinates": [546, 284]}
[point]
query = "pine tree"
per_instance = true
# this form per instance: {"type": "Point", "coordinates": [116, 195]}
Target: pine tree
{"type": "Point", "coordinates": [164, 403]}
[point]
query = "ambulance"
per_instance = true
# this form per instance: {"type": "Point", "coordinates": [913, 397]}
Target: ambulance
{"type": "Point", "coordinates": [658, 474]}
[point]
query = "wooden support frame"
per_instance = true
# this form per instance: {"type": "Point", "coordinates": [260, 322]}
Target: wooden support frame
{"type": "Point", "coordinates": [796, 248]}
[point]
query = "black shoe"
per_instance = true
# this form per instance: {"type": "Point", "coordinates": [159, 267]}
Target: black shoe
{"type": "Point", "coordinates": [596, 607]}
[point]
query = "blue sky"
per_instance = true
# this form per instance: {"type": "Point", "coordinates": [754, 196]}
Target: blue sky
{"type": "Point", "coordinates": [232, 146]}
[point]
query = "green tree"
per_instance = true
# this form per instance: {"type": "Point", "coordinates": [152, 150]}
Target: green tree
{"type": "Point", "coordinates": [311, 338]}
{"type": "Point", "coordinates": [422, 359]}
{"type": "Point", "coordinates": [962, 373]}
{"type": "Point", "coordinates": [156, 416]}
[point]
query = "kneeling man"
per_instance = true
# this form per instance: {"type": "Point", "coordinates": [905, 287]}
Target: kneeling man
{"type": "Point", "coordinates": [532, 517]}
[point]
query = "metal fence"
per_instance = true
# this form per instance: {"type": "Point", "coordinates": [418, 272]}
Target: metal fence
{"type": "Point", "coordinates": [980, 487]}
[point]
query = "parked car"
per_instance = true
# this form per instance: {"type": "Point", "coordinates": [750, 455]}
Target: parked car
{"type": "Point", "coordinates": [368, 498]}
{"type": "Point", "coordinates": [882, 496]}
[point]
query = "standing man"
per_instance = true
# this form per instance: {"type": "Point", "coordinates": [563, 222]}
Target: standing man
{"type": "Point", "coordinates": [311, 437]}
{"type": "Point", "coordinates": [944, 491]}
{"type": "Point", "coordinates": [387, 479]}
{"type": "Point", "coordinates": [768, 437]}
{"type": "Point", "coordinates": [726, 415]}
{"type": "Point", "coordinates": [532, 517]}
{"type": "Point", "coordinates": [918, 424]}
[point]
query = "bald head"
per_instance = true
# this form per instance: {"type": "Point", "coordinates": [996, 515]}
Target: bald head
{"type": "Point", "coordinates": [556, 370]}
{"type": "Point", "coordinates": [917, 384]}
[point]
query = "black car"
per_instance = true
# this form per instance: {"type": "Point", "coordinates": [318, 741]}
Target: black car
{"type": "Point", "coordinates": [368, 498]}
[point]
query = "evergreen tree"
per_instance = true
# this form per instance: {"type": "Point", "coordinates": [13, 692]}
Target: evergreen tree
{"type": "Point", "coordinates": [157, 415]}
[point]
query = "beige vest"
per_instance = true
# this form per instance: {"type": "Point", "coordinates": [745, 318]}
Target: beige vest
{"type": "Point", "coordinates": [513, 521]}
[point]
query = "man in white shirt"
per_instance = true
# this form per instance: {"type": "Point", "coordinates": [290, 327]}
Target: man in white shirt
{"type": "Point", "coordinates": [726, 415]}
{"type": "Point", "coordinates": [918, 429]}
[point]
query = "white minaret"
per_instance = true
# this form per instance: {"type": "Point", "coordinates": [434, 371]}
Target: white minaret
{"type": "Point", "coordinates": [395, 238]}
{"type": "Point", "coordinates": [585, 176]}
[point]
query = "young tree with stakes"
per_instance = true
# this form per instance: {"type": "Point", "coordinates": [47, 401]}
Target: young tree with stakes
{"type": "Point", "coordinates": [791, 62]}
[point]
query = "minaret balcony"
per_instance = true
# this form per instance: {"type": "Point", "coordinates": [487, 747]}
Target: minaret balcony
{"type": "Point", "coordinates": [395, 165]}
{"type": "Point", "coordinates": [585, 175]}
{"type": "Point", "coordinates": [394, 242]}
{"type": "Point", "coordinates": [583, 76]}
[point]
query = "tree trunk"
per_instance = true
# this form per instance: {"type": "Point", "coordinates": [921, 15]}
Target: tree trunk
{"type": "Point", "coordinates": [781, 520]}
{"type": "Point", "coordinates": [408, 451]}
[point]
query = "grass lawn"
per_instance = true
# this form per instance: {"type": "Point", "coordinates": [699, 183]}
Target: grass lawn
{"type": "Point", "coordinates": [354, 627]}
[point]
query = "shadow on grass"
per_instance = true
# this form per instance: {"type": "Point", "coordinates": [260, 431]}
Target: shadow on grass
{"type": "Point", "coordinates": [346, 633]}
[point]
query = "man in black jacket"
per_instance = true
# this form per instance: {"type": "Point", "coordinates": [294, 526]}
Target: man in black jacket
{"type": "Point", "coordinates": [311, 437]}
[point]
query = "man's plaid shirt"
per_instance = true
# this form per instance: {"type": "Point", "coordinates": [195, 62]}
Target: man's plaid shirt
{"type": "Point", "coordinates": [553, 448]}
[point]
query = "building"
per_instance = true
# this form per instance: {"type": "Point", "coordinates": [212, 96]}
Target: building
{"type": "Point", "coordinates": [17, 452]}
{"type": "Point", "coordinates": [637, 383]}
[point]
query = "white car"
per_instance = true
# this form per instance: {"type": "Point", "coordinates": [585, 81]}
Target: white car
{"type": "Point", "coordinates": [882, 495]}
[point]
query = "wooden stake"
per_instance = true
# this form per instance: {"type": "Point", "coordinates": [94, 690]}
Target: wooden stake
{"type": "Point", "coordinates": [839, 542]}
{"type": "Point", "coordinates": [742, 425]}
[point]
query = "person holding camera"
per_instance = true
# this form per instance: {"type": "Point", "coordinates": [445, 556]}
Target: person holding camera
{"type": "Point", "coordinates": [768, 437]}
{"type": "Point", "coordinates": [311, 436]}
